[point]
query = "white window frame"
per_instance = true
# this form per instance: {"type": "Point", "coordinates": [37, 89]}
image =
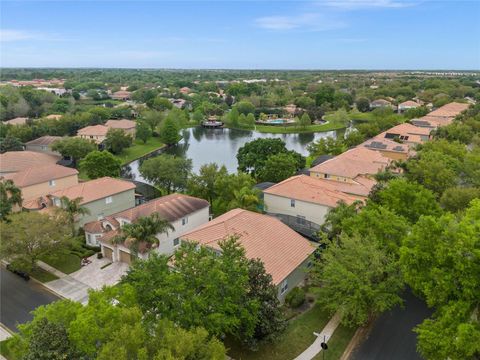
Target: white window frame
{"type": "Point", "coordinates": [185, 221]}
{"type": "Point", "coordinates": [176, 242]}
{"type": "Point", "coordinates": [283, 286]}
{"type": "Point", "coordinates": [108, 200]}
{"type": "Point", "coordinates": [292, 203]}
{"type": "Point", "coordinates": [51, 183]}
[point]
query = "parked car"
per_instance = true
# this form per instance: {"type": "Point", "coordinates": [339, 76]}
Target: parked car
{"type": "Point", "coordinates": [20, 273]}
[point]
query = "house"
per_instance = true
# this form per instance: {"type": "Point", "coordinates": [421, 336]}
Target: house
{"type": "Point", "coordinates": [406, 133]}
{"type": "Point", "coordinates": [178, 103]}
{"type": "Point", "coordinates": [185, 90]}
{"type": "Point", "coordinates": [128, 126]}
{"type": "Point", "coordinates": [102, 197]}
{"type": "Point", "coordinates": [54, 116]}
{"type": "Point", "coordinates": [407, 105]}
{"type": "Point", "coordinates": [121, 95]}
{"type": "Point", "coordinates": [16, 121]}
{"type": "Point", "coordinates": [38, 181]}
{"type": "Point", "coordinates": [389, 148]}
{"type": "Point", "coordinates": [14, 161]}
{"type": "Point", "coordinates": [442, 116]}
{"type": "Point", "coordinates": [302, 202]}
{"type": "Point", "coordinates": [284, 253]}
{"type": "Point", "coordinates": [96, 133]}
{"type": "Point", "coordinates": [380, 103]}
{"type": "Point", "coordinates": [351, 164]}
{"type": "Point", "coordinates": [42, 144]}
{"type": "Point", "coordinates": [184, 213]}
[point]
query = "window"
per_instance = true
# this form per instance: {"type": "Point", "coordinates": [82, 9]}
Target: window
{"type": "Point", "coordinates": [176, 242]}
{"type": "Point", "coordinates": [292, 202]}
{"type": "Point", "coordinates": [301, 220]}
{"type": "Point", "coordinates": [283, 286]}
{"type": "Point", "coordinates": [108, 200]}
{"type": "Point", "coordinates": [185, 221]}
{"type": "Point", "coordinates": [57, 202]}
{"type": "Point", "coordinates": [51, 183]}
{"type": "Point", "coordinates": [44, 147]}
{"type": "Point", "coordinates": [326, 176]}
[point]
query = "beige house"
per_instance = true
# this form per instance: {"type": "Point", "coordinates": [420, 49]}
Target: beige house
{"type": "Point", "coordinates": [302, 202]}
{"type": "Point", "coordinates": [14, 161]}
{"type": "Point", "coordinates": [128, 126]}
{"type": "Point", "coordinates": [36, 182]}
{"type": "Point", "coordinates": [407, 133]}
{"type": "Point", "coordinates": [184, 213]}
{"type": "Point", "coordinates": [121, 95]}
{"type": "Point", "coordinates": [284, 253]}
{"type": "Point", "coordinates": [102, 197]}
{"type": "Point", "coordinates": [42, 144]}
{"type": "Point", "coordinates": [442, 116]}
{"type": "Point", "coordinates": [351, 165]}
{"type": "Point", "coordinates": [16, 121]}
{"type": "Point", "coordinates": [95, 133]}
{"type": "Point", "coordinates": [389, 148]}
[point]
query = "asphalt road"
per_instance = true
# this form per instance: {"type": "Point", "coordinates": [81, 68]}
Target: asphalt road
{"type": "Point", "coordinates": [392, 335]}
{"type": "Point", "coordinates": [19, 297]}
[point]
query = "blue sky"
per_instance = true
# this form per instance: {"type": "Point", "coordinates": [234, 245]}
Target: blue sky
{"type": "Point", "coordinates": [328, 34]}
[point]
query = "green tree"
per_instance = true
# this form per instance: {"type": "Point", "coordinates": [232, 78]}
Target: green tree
{"type": "Point", "coordinates": [161, 104]}
{"type": "Point", "coordinates": [458, 198]}
{"type": "Point", "coordinates": [333, 225]}
{"type": "Point", "coordinates": [363, 104]}
{"type": "Point", "coordinates": [233, 117]}
{"type": "Point", "coordinates": [76, 148]}
{"type": "Point", "coordinates": [10, 143]}
{"type": "Point", "coordinates": [245, 107]}
{"type": "Point", "coordinates": [98, 164]}
{"type": "Point", "coordinates": [358, 279]}
{"type": "Point", "coordinates": [117, 140]}
{"type": "Point", "coordinates": [10, 195]}
{"type": "Point", "coordinates": [250, 120]}
{"type": "Point", "coordinates": [305, 120]}
{"type": "Point", "coordinates": [152, 118]}
{"type": "Point", "coordinates": [168, 172]}
{"type": "Point", "coordinates": [204, 185]}
{"type": "Point", "coordinates": [144, 230]}
{"type": "Point", "coordinates": [71, 210]}
{"type": "Point", "coordinates": [143, 131]}
{"type": "Point", "coordinates": [326, 146]}
{"type": "Point", "coordinates": [278, 167]}
{"type": "Point", "coordinates": [28, 236]}
{"type": "Point", "coordinates": [170, 132]}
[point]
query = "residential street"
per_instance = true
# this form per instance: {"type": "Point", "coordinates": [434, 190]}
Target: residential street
{"type": "Point", "coordinates": [392, 336]}
{"type": "Point", "coordinates": [19, 297]}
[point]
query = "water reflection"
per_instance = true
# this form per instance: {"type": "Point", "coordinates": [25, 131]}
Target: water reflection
{"type": "Point", "coordinates": [205, 146]}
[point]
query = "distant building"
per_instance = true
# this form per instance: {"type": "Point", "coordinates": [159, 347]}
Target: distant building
{"type": "Point", "coordinates": [16, 121]}
{"type": "Point", "coordinates": [185, 90]}
{"type": "Point", "coordinates": [96, 133]}
{"type": "Point", "coordinates": [380, 103]}
{"type": "Point", "coordinates": [121, 95]}
{"type": "Point", "coordinates": [129, 126]}
{"type": "Point", "coordinates": [43, 144]}
{"type": "Point", "coordinates": [442, 116]}
{"type": "Point", "coordinates": [407, 105]}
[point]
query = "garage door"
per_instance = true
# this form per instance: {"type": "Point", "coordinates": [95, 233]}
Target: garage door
{"type": "Point", "coordinates": [125, 257]}
{"type": "Point", "coordinates": [108, 253]}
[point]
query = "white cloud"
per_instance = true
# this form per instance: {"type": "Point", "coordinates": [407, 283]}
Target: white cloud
{"type": "Point", "coordinates": [306, 22]}
{"type": "Point", "coordinates": [10, 35]}
{"type": "Point", "coordinates": [366, 4]}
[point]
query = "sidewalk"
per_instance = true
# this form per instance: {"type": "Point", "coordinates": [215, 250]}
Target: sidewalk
{"type": "Point", "coordinates": [327, 332]}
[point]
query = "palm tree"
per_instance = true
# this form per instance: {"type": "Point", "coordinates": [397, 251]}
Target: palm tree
{"type": "Point", "coordinates": [144, 230]}
{"type": "Point", "coordinates": [72, 209]}
{"type": "Point", "coordinates": [9, 196]}
{"type": "Point", "coordinates": [247, 199]}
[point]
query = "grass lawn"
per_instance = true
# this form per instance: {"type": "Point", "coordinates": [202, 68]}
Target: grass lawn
{"type": "Point", "coordinates": [6, 351]}
{"type": "Point", "coordinates": [297, 337]}
{"type": "Point", "coordinates": [275, 129]}
{"type": "Point", "coordinates": [139, 149]}
{"type": "Point", "coordinates": [66, 263]}
{"type": "Point", "coordinates": [337, 343]}
{"type": "Point", "coordinates": [42, 275]}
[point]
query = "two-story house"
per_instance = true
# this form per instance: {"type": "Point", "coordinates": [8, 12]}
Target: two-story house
{"type": "Point", "coordinates": [101, 197]}
{"type": "Point", "coordinates": [183, 212]}
{"type": "Point", "coordinates": [284, 253]}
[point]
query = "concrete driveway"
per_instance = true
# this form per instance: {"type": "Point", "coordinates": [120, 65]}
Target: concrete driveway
{"type": "Point", "coordinates": [95, 277]}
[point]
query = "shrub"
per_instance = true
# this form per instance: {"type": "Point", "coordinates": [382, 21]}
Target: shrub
{"type": "Point", "coordinates": [295, 298]}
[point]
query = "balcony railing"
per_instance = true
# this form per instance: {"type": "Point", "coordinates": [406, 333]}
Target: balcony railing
{"type": "Point", "coordinates": [300, 225]}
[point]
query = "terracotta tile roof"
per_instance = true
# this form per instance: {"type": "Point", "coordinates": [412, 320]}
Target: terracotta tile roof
{"type": "Point", "coordinates": [379, 143]}
{"type": "Point", "coordinates": [40, 174]}
{"type": "Point", "coordinates": [264, 237]}
{"type": "Point", "coordinates": [94, 227]}
{"type": "Point", "coordinates": [309, 189]}
{"type": "Point", "coordinates": [170, 207]}
{"type": "Point", "coordinates": [94, 130]}
{"type": "Point", "coordinates": [407, 128]}
{"type": "Point", "coordinates": [95, 189]}
{"type": "Point", "coordinates": [13, 161]}
{"type": "Point", "coordinates": [449, 110]}
{"type": "Point", "coordinates": [354, 162]}
{"type": "Point", "coordinates": [409, 103]}
{"type": "Point", "coordinates": [433, 121]}
{"type": "Point", "coordinates": [35, 204]}
{"type": "Point", "coordinates": [121, 124]}
{"type": "Point", "coordinates": [54, 116]}
{"type": "Point", "coordinates": [381, 102]}
{"type": "Point", "coordinates": [16, 121]}
{"type": "Point", "coordinates": [44, 140]}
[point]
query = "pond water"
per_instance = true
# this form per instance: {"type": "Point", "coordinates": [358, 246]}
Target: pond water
{"type": "Point", "coordinates": [205, 146]}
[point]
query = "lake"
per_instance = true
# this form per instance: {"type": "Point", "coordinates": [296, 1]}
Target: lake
{"type": "Point", "coordinates": [205, 146]}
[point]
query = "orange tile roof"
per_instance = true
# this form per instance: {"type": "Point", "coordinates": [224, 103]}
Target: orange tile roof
{"type": "Point", "coordinates": [13, 161]}
{"type": "Point", "coordinates": [409, 103]}
{"type": "Point", "coordinates": [170, 207]}
{"type": "Point", "coordinates": [121, 124]}
{"type": "Point", "coordinates": [94, 130]}
{"type": "Point", "coordinates": [54, 116]}
{"type": "Point", "coordinates": [449, 110]}
{"type": "Point", "coordinates": [407, 128]}
{"type": "Point", "coordinates": [40, 174]}
{"type": "Point", "coordinates": [264, 237]}
{"type": "Point", "coordinates": [95, 189]}
{"type": "Point", "coordinates": [354, 162]}
{"type": "Point", "coordinates": [379, 143]}
{"type": "Point", "coordinates": [16, 121]}
{"type": "Point", "coordinates": [309, 189]}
